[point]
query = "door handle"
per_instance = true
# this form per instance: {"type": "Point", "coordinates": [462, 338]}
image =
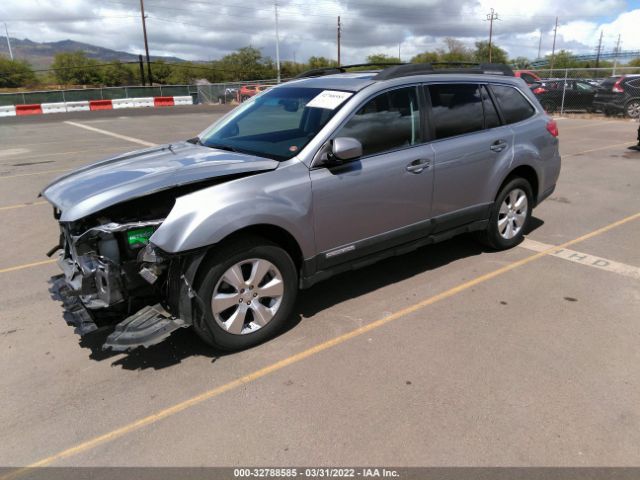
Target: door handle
{"type": "Point", "coordinates": [418, 166]}
{"type": "Point", "coordinates": [498, 146]}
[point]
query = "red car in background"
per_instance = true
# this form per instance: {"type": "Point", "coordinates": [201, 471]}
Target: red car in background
{"type": "Point", "coordinates": [248, 91]}
{"type": "Point", "coordinates": [528, 76]}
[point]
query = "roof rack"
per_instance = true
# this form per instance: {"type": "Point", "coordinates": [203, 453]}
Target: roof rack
{"type": "Point", "coordinates": [320, 72]}
{"type": "Point", "coordinates": [458, 67]}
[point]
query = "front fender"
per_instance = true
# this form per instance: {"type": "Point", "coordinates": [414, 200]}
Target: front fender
{"type": "Point", "coordinates": [281, 198]}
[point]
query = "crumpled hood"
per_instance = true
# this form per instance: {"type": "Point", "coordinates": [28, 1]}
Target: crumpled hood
{"type": "Point", "coordinates": [136, 174]}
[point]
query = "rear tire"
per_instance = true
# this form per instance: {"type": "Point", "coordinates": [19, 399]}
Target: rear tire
{"type": "Point", "coordinates": [264, 279]}
{"type": "Point", "coordinates": [510, 215]}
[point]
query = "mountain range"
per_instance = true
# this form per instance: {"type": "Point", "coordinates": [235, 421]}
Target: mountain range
{"type": "Point", "coordinates": [40, 54]}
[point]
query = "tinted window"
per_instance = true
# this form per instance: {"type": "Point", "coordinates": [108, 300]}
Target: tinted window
{"type": "Point", "coordinates": [513, 105]}
{"type": "Point", "coordinates": [456, 109]}
{"type": "Point", "coordinates": [491, 119]}
{"type": "Point", "coordinates": [387, 122]}
{"type": "Point", "coordinates": [528, 78]}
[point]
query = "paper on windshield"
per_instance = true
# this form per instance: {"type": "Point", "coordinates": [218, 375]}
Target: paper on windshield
{"type": "Point", "coordinates": [329, 99]}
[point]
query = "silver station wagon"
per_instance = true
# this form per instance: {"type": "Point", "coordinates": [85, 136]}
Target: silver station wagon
{"type": "Point", "coordinates": [329, 172]}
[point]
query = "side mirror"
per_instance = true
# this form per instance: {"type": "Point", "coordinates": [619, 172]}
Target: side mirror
{"type": "Point", "coordinates": [346, 149]}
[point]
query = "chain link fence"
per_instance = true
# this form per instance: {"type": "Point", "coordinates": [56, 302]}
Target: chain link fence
{"type": "Point", "coordinates": [606, 91]}
{"type": "Point", "coordinates": [106, 93]}
{"type": "Point", "coordinates": [232, 92]}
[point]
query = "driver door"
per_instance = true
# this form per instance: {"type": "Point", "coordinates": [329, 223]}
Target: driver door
{"type": "Point", "coordinates": [383, 198]}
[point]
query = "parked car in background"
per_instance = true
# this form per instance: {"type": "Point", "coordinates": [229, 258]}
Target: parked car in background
{"type": "Point", "coordinates": [619, 94]}
{"type": "Point", "coordinates": [578, 95]}
{"type": "Point", "coordinates": [248, 91]}
{"type": "Point", "coordinates": [229, 95]}
{"type": "Point", "coordinates": [528, 76]}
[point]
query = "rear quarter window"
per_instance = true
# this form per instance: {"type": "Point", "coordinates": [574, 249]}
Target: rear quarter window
{"type": "Point", "coordinates": [514, 107]}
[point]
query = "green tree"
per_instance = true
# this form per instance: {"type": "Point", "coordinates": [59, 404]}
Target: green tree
{"type": "Point", "coordinates": [160, 71]}
{"type": "Point", "coordinates": [521, 63]}
{"type": "Point", "coordinates": [118, 74]}
{"type": "Point", "coordinates": [75, 68]}
{"type": "Point", "coordinates": [456, 51]}
{"type": "Point", "coordinates": [320, 62]}
{"type": "Point", "coordinates": [634, 63]}
{"type": "Point", "coordinates": [381, 59]}
{"type": "Point", "coordinates": [247, 63]}
{"type": "Point", "coordinates": [15, 73]}
{"type": "Point", "coordinates": [426, 57]}
{"type": "Point", "coordinates": [481, 53]}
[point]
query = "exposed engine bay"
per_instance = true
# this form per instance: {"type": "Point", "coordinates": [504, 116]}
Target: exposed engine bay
{"type": "Point", "coordinates": [111, 272]}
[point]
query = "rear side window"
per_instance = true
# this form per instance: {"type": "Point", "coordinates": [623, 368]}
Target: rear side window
{"type": "Point", "coordinates": [456, 109]}
{"type": "Point", "coordinates": [513, 105]}
{"type": "Point", "coordinates": [387, 122]}
{"type": "Point", "coordinates": [527, 77]}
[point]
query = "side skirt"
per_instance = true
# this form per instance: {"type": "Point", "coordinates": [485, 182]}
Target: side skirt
{"type": "Point", "coordinates": [373, 250]}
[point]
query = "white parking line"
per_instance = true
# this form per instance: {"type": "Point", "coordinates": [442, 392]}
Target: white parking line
{"type": "Point", "coordinates": [584, 259]}
{"type": "Point", "coordinates": [111, 134]}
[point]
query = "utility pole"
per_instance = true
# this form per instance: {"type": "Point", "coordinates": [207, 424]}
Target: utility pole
{"type": "Point", "coordinates": [399, 57]}
{"type": "Point", "coordinates": [339, 35]}
{"type": "Point", "coordinates": [275, 6]}
{"type": "Point", "coordinates": [615, 61]}
{"type": "Point", "coordinates": [599, 49]}
{"type": "Point", "coordinates": [491, 17]}
{"type": "Point", "coordinates": [140, 62]}
{"type": "Point", "coordinates": [146, 44]}
{"type": "Point", "coordinates": [540, 44]}
{"type": "Point", "coordinates": [8, 41]}
{"type": "Point", "coordinates": [553, 49]}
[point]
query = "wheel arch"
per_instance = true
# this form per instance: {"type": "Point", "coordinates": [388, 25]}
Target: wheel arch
{"type": "Point", "coordinates": [529, 174]}
{"type": "Point", "coordinates": [273, 233]}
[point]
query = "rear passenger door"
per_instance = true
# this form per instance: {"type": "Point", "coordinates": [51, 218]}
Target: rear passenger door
{"type": "Point", "coordinates": [472, 149]}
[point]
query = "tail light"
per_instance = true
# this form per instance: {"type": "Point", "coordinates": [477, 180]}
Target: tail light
{"type": "Point", "coordinates": [552, 127]}
{"type": "Point", "coordinates": [617, 87]}
{"type": "Point", "coordinates": [539, 90]}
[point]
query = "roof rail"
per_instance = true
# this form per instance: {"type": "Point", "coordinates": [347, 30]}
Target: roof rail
{"type": "Point", "coordinates": [320, 72]}
{"type": "Point", "coordinates": [458, 67]}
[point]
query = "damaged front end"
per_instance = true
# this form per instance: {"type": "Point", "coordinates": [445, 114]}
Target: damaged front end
{"type": "Point", "coordinates": [112, 273]}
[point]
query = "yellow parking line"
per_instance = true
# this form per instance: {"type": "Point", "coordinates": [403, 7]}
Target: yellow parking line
{"type": "Point", "coordinates": [596, 149]}
{"type": "Point", "coordinates": [274, 367]}
{"type": "Point", "coordinates": [26, 265]}
{"type": "Point", "coordinates": [22, 205]}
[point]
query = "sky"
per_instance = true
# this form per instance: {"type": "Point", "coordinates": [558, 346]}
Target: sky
{"type": "Point", "coordinates": [209, 29]}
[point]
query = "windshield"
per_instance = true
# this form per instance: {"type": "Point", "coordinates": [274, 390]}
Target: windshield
{"type": "Point", "coordinates": [276, 124]}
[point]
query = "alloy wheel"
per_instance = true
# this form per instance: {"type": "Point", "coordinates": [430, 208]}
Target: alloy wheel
{"type": "Point", "coordinates": [513, 213]}
{"type": "Point", "coordinates": [247, 296]}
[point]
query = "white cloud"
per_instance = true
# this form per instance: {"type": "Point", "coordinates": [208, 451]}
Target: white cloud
{"type": "Point", "coordinates": [196, 29]}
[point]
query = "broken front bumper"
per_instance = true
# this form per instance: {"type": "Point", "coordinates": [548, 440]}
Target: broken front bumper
{"type": "Point", "coordinates": [148, 326]}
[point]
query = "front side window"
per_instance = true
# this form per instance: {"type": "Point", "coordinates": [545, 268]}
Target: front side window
{"type": "Point", "coordinates": [513, 105]}
{"type": "Point", "coordinates": [456, 109]}
{"type": "Point", "coordinates": [276, 124]}
{"type": "Point", "coordinates": [387, 122]}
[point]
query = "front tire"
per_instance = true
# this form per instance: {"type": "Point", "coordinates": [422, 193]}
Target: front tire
{"type": "Point", "coordinates": [632, 109]}
{"type": "Point", "coordinates": [510, 215]}
{"type": "Point", "coordinates": [248, 290]}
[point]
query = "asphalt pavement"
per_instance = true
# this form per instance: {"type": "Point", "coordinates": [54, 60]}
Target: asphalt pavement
{"type": "Point", "coordinates": [449, 356]}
